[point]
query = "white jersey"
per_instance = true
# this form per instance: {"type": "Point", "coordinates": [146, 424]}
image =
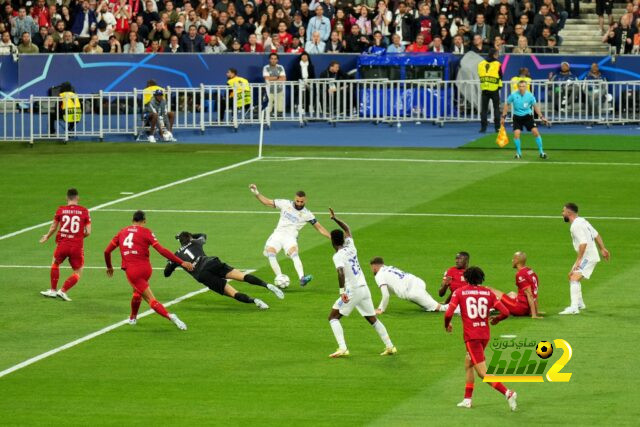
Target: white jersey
{"type": "Point", "coordinates": [399, 282]}
{"type": "Point", "coordinates": [291, 219]}
{"type": "Point", "coordinates": [347, 259]}
{"type": "Point", "coordinates": [583, 232]}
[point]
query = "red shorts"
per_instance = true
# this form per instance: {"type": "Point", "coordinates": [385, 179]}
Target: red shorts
{"type": "Point", "coordinates": [475, 350]}
{"type": "Point", "coordinates": [73, 252]}
{"type": "Point", "coordinates": [515, 307]}
{"type": "Point", "coordinates": [138, 276]}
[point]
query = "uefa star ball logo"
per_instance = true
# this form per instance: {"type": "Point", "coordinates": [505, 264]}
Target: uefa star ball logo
{"type": "Point", "coordinates": [544, 349]}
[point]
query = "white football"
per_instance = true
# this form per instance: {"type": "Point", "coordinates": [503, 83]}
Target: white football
{"type": "Point", "coordinates": [282, 281]}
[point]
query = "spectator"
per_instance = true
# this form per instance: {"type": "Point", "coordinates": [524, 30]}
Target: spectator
{"type": "Point", "coordinates": [252, 45]}
{"type": "Point", "coordinates": [40, 14]}
{"type": "Point", "coordinates": [58, 33]}
{"type": "Point", "coordinates": [92, 46]}
{"type": "Point", "coordinates": [514, 39]}
{"type": "Point", "coordinates": [467, 11]}
{"type": "Point", "coordinates": [38, 38]}
{"type": "Point", "coordinates": [142, 29]}
{"type": "Point", "coordinates": [114, 45]}
{"type": "Point", "coordinates": [6, 45]}
{"type": "Point", "coordinates": [425, 23]}
{"type": "Point", "coordinates": [333, 71]}
{"type": "Point", "coordinates": [404, 24]}
{"type": "Point", "coordinates": [508, 12]}
{"type": "Point", "coordinates": [122, 14]}
{"type": "Point", "coordinates": [84, 23]}
{"type": "Point", "coordinates": [215, 45]}
{"type": "Point", "coordinates": [458, 47]}
{"type": "Point", "coordinates": [552, 45]}
{"type": "Point", "coordinates": [542, 41]}
{"type": "Point", "coordinates": [154, 47]}
{"type": "Point", "coordinates": [482, 29]}
{"type": "Point", "coordinates": [65, 15]}
{"type": "Point", "coordinates": [356, 42]}
{"type": "Point", "coordinates": [174, 45]}
{"type": "Point", "coordinates": [345, 19]}
{"type": "Point", "coordinates": [486, 10]}
{"type": "Point", "coordinates": [334, 45]}
{"type": "Point", "coordinates": [303, 68]}
{"type": "Point", "coordinates": [396, 45]}
{"type": "Point", "coordinates": [522, 46]}
{"type": "Point", "coordinates": [556, 12]}
{"type": "Point", "coordinates": [478, 46]}
{"type": "Point", "coordinates": [285, 37]}
{"type": "Point", "coordinates": [620, 36]}
{"type": "Point", "coordinates": [272, 73]}
{"type": "Point", "coordinates": [296, 46]}
{"type": "Point", "coordinates": [527, 28]}
{"type": "Point", "coordinates": [364, 22]}
{"type": "Point", "coordinates": [193, 41]}
{"type": "Point", "coordinates": [235, 47]}
{"type": "Point", "coordinates": [438, 47]}
{"type": "Point", "coordinates": [133, 45]}
{"type": "Point", "coordinates": [602, 7]}
{"type": "Point", "coordinates": [296, 24]}
{"type": "Point", "coordinates": [319, 23]}
{"type": "Point", "coordinates": [68, 44]}
{"type": "Point", "coordinates": [274, 45]}
{"type": "Point", "coordinates": [538, 20]}
{"type": "Point", "coordinates": [636, 40]}
{"type": "Point", "coordinates": [383, 20]}
{"type": "Point", "coordinates": [106, 22]}
{"type": "Point", "coordinates": [502, 29]}
{"type": "Point", "coordinates": [316, 45]}
{"type": "Point", "coordinates": [562, 93]}
{"type": "Point", "coordinates": [418, 46]}
{"type": "Point", "coordinates": [378, 47]}
{"type": "Point", "coordinates": [22, 24]}
{"type": "Point", "coordinates": [26, 46]}
{"type": "Point", "coordinates": [445, 38]}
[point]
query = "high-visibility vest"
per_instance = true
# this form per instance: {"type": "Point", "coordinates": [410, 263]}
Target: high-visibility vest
{"type": "Point", "coordinates": [147, 93]}
{"type": "Point", "coordinates": [71, 107]}
{"type": "Point", "coordinates": [489, 73]}
{"type": "Point", "coordinates": [240, 86]}
{"type": "Point", "coordinates": [516, 79]}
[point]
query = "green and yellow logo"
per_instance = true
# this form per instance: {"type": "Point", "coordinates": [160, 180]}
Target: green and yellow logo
{"type": "Point", "coordinates": [527, 361]}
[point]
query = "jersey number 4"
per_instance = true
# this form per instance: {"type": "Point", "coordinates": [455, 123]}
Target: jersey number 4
{"type": "Point", "coordinates": [477, 307]}
{"type": "Point", "coordinates": [128, 241]}
{"type": "Point", "coordinates": [70, 224]}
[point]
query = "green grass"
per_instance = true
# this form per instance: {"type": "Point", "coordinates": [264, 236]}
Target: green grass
{"type": "Point", "coordinates": [237, 365]}
{"type": "Point", "coordinates": [565, 142]}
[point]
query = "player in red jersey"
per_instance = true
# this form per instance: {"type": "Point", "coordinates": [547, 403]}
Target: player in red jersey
{"type": "Point", "coordinates": [525, 303]}
{"type": "Point", "coordinates": [475, 302]}
{"type": "Point", "coordinates": [75, 225]}
{"type": "Point", "coordinates": [454, 277]}
{"type": "Point", "coordinates": [134, 242]}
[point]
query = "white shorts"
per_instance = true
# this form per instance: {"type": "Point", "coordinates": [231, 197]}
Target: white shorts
{"type": "Point", "coordinates": [420, 296]}
{"type": "Point", "coordinates": [280, 241]}
{"type": "Point", "coordinates": [359, 298]}
{"type": "Point", "coordinates": [586, 267]}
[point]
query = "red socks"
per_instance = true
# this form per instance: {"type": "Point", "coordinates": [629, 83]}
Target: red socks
{"type": "Point", "coordinates": [55, 275]}
{"type": "Point", "coordinates": [135, 305]}
{"type": "Point", "coordinates": [500, 387]}
{"type": "Point", "coordinates": [159, 308]}
{"type": "Point", "coordinates": [70, 282]}
{"type": "Point", "coordinates": [468, 391]}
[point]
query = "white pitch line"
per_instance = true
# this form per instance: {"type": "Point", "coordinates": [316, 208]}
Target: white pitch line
{"type": "Point", "coordinates": [492, 162]}
{"type": "Point", "coordinates": [405, 214]}
{"type": "Point", "coordinates": [95, 334]}
{"type": "Point", "coordinates": [142, 193]}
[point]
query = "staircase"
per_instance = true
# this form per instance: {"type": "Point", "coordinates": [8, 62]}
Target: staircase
{"type": "Point", "coordinates": [582, 36]}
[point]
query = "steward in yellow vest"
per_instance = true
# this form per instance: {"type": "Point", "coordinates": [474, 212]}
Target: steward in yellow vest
{"type": "Point", "coordinates": [147, 92]}
{"type": "Point", "coordinates": [522, 75]}
{"type": "Point", "coordinates": [71, 107]}
{"type": "Point", "coordinates": [490, 74]}
{"type": "Point", "coordinates": [240, 89]}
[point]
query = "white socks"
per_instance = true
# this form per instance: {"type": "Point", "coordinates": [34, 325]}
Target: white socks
{"type": "Point", "coordinates": [443, 307]}
{"type": "Point", "coordinates": [382, 331]}
{"type": "Point", "coordinates": [274, 264]}
{"type": "Point", "coordinates": [338, 332]}
{"type": "Point", "coordinates": [297, 264]}
{"type": "Point", "coordinates": [575, 291]}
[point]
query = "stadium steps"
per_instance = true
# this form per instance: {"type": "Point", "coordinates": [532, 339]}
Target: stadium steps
{"type": "Point", "coordinates": [582, 35]}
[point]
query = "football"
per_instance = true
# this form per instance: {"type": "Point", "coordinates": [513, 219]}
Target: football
{"type": "Point", "coordinates": [282, 281]}
{"type": "Point", "coordinates": [544, 349]}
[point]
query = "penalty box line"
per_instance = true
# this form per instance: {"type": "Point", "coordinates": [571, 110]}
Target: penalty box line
{"type": "Point", "coordinates": [97, 333]}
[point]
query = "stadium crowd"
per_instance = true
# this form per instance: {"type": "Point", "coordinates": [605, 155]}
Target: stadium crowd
{"type": "Point", "coordinates": [292, 26]}
{"type": "Point", "coordinates": [623, 35]}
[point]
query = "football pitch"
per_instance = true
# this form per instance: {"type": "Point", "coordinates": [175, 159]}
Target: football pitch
{"type": "Point", "coordinates": [236, 365]}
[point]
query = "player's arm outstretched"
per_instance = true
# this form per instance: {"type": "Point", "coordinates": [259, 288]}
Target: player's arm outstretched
{"type": "Point", "coordinates": [533, 305]}
{"type": "Point", "coordinates": [262, 199]}
{"type": "Point", "coordinates": [505, 111]}
{"type": "Point", "coordinates": [52, 230]}
{"type": "Point", "coordinates": [171, 257]}
{"type": "Point", "coordinates": [345, 227]}
{"type": "Point", "coordinates": [322, 230]}
{"type": "Point", "coordinates": [384, 302]}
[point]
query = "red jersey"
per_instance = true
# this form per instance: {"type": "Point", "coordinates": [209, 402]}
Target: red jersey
{"type": "Point", "coordinates": [457, 278]}
{"type": "Point", "coordinates": [526, 278]}
{"type": "Point", "coordinates": [72, 219]}
{"type": "Point", "coordinates": [134, 242]}
{"type": "Point", "coordinates": [475, 304]}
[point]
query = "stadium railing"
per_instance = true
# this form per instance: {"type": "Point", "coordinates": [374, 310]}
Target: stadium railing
{"type": "Point", "coordinates": [332, 101]}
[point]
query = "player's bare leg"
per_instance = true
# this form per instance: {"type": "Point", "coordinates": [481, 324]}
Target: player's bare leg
{"type": "Point", "coordinates": [153, 121]}
{"type": "Point", "coordinates": [389, 349]}
{"type": "Point", "coordinates": [161, 310]}
{"type": "Point", "coordinates": [427, 303]}
{"type": "Point", "coordinates": [510, 395]}
{"type": "Point", "coordinates": [575, 292]}
{"type": "Point", "coordinates": [297, 264]}
{"type": "Point", "coordinates": [171, 116]}
{"type": "Point", "coordinates": [230, 291]}
{"type": "Point", "coordinates": [497, 293]}
{"type": "Point", "coordinates": [253, 280]}
{"type": "Point", "coordinates": [69, 283]}
{"type": "Point", "coordinates": [469, 383]}
{"type": "Point", "coordinates": [338, 332]}
{"type": "Point", "coordinates": [271, 254]}
{"type": "Point", "coordinates": [54, 277]}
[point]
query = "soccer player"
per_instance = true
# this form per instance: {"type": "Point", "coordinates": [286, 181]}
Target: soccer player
{"type": "Point", "coordinates": [293, 216]}
{"type": "Point", "coordinates": [525, 303]}
{"type": "Point", "coordinates": [585, 238]}
{"type": "Point", "coordinates": [354, 292]}
{"type": "Point", "coordinates": [475, 302]}
{"type": "Point", "coordinates": [454, 277]}
{"type": "Point", "coordinates": [134, 242]}
{"type": "Point", "coordinates": [404, 285]}
{"type": "Point", "coordinates": [524, 104]}
{"type": "Point", "coordinates": [213, 273]}
{"type": "Point", "coordinates": [75, 226]}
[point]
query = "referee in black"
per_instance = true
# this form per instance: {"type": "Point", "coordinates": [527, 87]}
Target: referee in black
{"type": "Point", "coordinates": [490, 73]}
{"type": "Point", "coordinates": [213, 273]}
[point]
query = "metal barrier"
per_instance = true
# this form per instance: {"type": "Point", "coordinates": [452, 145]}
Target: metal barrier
{"type": "Point", "coordinates": [332, 101]}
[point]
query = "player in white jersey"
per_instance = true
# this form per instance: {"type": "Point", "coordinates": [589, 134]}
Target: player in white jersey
{"type": "Point", "coordinates": [354, 292]}
{"type": "Point", "coordinates": [404, 285]}
{"type": "Point", "coordinates": [293, 216]}
{"type": "Point", "coordinates": [585, 238]}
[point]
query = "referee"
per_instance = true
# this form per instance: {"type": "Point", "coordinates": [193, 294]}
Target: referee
{"type": "Point", "coordinates": [524, 104]}
{"type": "Point", "coordinates": [490, 73]}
